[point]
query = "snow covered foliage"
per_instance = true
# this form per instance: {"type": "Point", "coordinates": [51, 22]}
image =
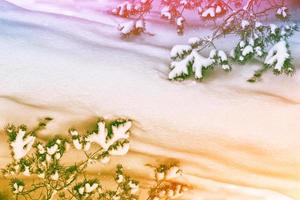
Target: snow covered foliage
{"type": "Point", "coordinates": [267, 43]}
{"type": "Point", "coordinates": [128, 9]}
{"type": "Point", "coordinates": [112, 139]}
{"type": "Point", "coordinates": [20, 141]}
{"type": "Point", "coordinates": [126, 188]}
{"type": "Point", "coordinates": [132, 27]}
{"type": "Point", "coordinates": [167, 183]}
{"type": "Point", "coordinates": [43, 159]}
{"type": "Point", "coordinates": [55, 178]}
{"type": "Point", "coordinates": [187, 60]}
{"type": "Point", "coordinates": [279, 57]}
{"type": "Point", "coordinates": [282, 13]}
{"type": "Point", "coordinates": [177, 11]}
{"type": "Point", "coordinates": [17, 186]}
{"type": "Point", "coordinates": [170, 10]}
{"type": "Point", "coordinates": [259, 39]}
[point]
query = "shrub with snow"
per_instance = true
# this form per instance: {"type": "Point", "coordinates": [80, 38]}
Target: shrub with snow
{"type": "Point", "coordinates": [267, 43]}
{"type": "Point", "coordinates": [54, 178]}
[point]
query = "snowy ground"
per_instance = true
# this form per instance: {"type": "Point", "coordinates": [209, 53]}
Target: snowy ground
{"type": "Point", "coordinates": [234, 140]}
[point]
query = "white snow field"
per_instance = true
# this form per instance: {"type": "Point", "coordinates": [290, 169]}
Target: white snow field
{"type": "Point", "coordinates": [234, 140]}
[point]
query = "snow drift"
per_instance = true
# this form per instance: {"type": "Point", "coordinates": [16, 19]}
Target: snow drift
{"type": "Point", "coordinates": [233, 139]}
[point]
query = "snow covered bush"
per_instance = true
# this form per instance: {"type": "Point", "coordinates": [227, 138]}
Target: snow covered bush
{"type": "Point", "coordinates": [258, 38]}
{"type": "Point", "coordinates": [166, 185]}
{"type": "Point", "coordinates": [54, 178]}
